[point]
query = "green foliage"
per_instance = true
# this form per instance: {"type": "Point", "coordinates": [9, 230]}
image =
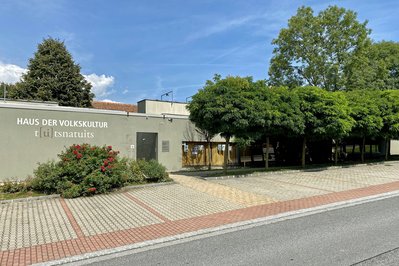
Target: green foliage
{"type": "Point", "coordinates": [82, 169]}
{"type": "Point", "coordinates": [85, 170]}
{"type": "Point", "coordinates": [326, 114]}
{"type": "Point", "coordinates": [379, 70]}
{"type": "Point", "coordinates": [53, 76]}
{"type": "Point", "coordinates": [389, 108]}
{"type": "Point", "coordinates": [282, 112]}
{"type": "Point", "coordinates": [46, 177]}
{"type": "Point", "coordinates": [152, 171]}
{"type": "Point", "coordinates": [14, 187]}
{"type": "Point", "coordinates": [225, 106]}
{"type": "Point", "coordinates": [319, 50]}
{"type": "Point", "coordinates": [136, 174]}
{"type": "Point", "coordinates": [222, 106]}
{"type": "Point", "coordinates": [9, 90]}
{"type": "Point", "coordinates": [365, 111]}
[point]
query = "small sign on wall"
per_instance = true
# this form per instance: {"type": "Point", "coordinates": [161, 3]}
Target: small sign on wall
{"type": "Point", "coordinates": [165, 146]}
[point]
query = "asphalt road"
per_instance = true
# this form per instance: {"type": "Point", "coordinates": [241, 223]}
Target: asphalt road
{"type": "Point", "coordinates": [366, 234]}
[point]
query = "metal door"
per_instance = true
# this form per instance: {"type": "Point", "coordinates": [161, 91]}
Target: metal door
{"type": "Point", "coordinates": [147, 144]}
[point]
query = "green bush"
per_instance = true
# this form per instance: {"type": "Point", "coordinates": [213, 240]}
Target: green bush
{"type": "Point", "coordinates": [73, 192]}
{"type": "Point", "coordinates": [153, 171]}
{"type": "Point", "coordinates": [46, 177]}
{"type": "Point", "coordinates": [14, 187]}
{"type": "Point", "coordinates": [82, 170]}
{"type": "Point", "coordinates": [85, 170]}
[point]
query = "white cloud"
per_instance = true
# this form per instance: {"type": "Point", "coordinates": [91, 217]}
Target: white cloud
{"type": "Point", "coordinates": [109, 101]}
{"type": "Point", "coordinates": [101, 84]}
{"type": "Point", "coordinates": [125, 91]}
{"type": "Point", "coordinates": [10, 73]}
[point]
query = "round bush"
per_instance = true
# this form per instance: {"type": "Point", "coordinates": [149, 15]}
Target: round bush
{"type": "Point", "coordinates": [82, 170]}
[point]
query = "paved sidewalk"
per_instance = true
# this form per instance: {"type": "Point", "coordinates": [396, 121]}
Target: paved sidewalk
{"type": "Point", "coordinates": [36, 231]}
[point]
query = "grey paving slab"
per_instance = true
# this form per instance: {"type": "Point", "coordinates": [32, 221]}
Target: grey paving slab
{"type": "Point", "coordinates": [178, 202]}
{"type": "Point", "coordinates": [28, 223]}
{"type": "Point", "coordinates": [107, 213]}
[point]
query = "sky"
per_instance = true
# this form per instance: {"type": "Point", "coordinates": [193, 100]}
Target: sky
{"type": "Point", "coordinates": [132, 50]}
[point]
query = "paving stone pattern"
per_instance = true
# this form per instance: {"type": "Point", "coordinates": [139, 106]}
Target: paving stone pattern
{"type": "Point", "coordinates": [29, 223]}
{"type": "Point", "coordinates": [107, 213]}
{"type": "Point", "coordinates": [48, 229]}
{"type": "Point", "coordinates": [177, 202]}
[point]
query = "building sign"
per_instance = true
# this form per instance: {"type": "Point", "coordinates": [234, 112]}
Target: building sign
{"type": "Point", "coordinates": [62, 128]}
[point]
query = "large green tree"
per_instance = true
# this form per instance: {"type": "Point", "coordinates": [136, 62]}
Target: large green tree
{"type": "Point", "coordinates": [366, 112]}
{"type": "Point", "coordinates": [6, 90]}
{"type": "Point", "coordinates": [378, 70]}
{"type": "Point", "coordinates": [280, 109]}
{"type": "Point", "coordinates": [223, 106]}
{"type": "Point", "coordinates": [326, 115]}
{"type": "Point", "coordinates": [53, 76]}
{"type": "Point", "coordinates": [318, 50]}
{"type": "Point", "coordinates": [389, 108]}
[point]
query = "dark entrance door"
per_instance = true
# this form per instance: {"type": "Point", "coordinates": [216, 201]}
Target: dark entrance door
{"type": "Point", "coordinates": [147, 144]}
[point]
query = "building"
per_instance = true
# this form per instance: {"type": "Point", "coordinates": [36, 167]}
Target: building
{"type": "Point", "coordinates": [34, 132]}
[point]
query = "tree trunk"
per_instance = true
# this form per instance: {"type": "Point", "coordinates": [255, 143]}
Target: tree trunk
{"type": "Point", "coordinates": [363, 148]}
{"type": "Point", "coordinates": [267, 153]}
{"type": "Point", "coordinates": [353, 148]}
{"type": "Point", "coordinates": [387, 144]}
{"type": "Point", "coordinates": [336, 152]}
{"type": "Point", "coordinates": [303, 151]}
{"type": "Point", "coordinates": [209, 155]}
{"type": "Point", "coordinates": [226, 155]}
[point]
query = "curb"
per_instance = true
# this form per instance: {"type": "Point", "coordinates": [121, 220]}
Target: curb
{"type": "Point", "coordinates": [59, 196]}
{"type": "Point", "coordinates": [30, 199]}
{"type": "Point", "coordinates": [209, 232]}
{"type": "Point", "coordinates": [146, 186]}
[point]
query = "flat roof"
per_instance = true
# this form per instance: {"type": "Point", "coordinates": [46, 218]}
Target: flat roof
{"type": "Point", "coordinates": [36, 106]}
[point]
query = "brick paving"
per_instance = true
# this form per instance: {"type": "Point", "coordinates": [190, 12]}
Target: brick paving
{"type": "Point", "coordinates": [49, 229]}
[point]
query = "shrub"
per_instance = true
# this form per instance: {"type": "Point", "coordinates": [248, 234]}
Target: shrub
{"type": "Point", "coordinates": [153, 171]}
{"type": "Point", "coordinates": [73, 192]}
{"type": "Point", "coordinates": [82, 170]}
{"type": "Point", "coordinates": [85, 170]}
{"type": "Point", "coordinates": [46, 177]}
{"type": "Point", "coordinates": [14, 187]}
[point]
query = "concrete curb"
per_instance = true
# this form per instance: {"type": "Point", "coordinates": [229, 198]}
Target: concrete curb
{"type": "Point", "coordinates": [296, 171]}
{"type": "Point", "coordinates": [209, 232]}
{"type": "Point", "coordinates": [124, 189]}
{"type": "Point", "coordinates": [30, 199]}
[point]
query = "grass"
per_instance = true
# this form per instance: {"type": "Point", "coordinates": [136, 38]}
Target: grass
{"type": "Point", "coordinates": [19, 195]}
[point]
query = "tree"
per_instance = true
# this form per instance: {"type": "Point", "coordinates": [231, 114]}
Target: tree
{"type": "Point", "coordinates": [223, 107]}
{"type": "Point", "coordinates": [379, 70]}
{"type": "Point", "coordinates": [281, 113]}
{"type": "Point", "coordinates": [326, 115]}
{"type": "Point", "coordinates": [366, 112]}
{"type": "Point", "coordinates": [53, 76]}
{"type": "Point", "coordinates": [208, 137]}
{"type": "Point", "coordinates": [9, 90]}
{"type": "Point", "coordinates": [318, 50]}
{"type": "Point", "coordinates": [389, 107]}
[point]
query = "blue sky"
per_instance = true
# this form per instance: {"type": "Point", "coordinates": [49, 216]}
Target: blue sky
{"type": "Point", "coordinates": [132, 50]}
